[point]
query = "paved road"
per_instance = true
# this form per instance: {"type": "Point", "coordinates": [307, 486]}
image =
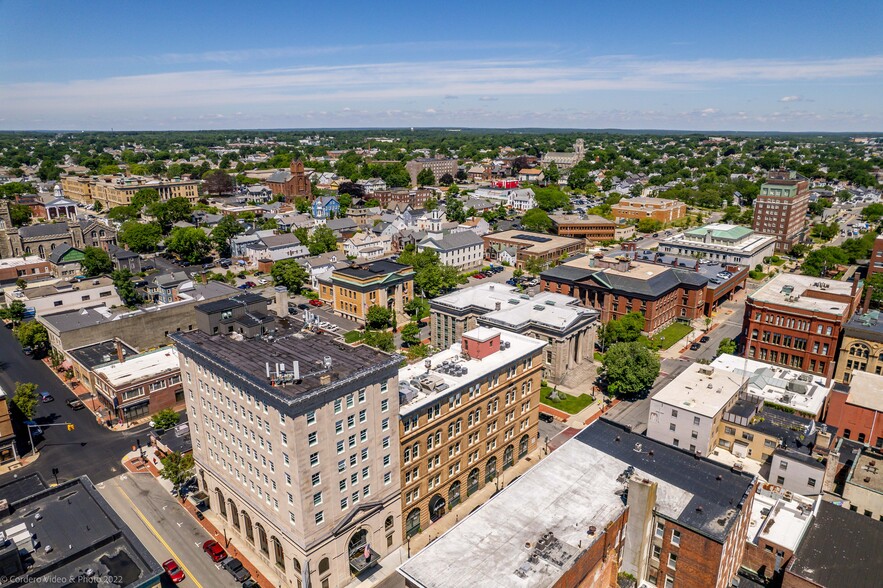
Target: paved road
{"type": "Point", "coordinates": [165, 529]}
{"type": "Point", "coordinates": [89, 449]}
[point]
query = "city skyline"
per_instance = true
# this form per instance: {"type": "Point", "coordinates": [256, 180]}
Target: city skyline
{"type": "Point", "coordinates": [792, 67]}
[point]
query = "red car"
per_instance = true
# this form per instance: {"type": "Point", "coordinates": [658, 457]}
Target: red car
{"type": "Point", "coordinates": [315, 303]}
{"type": "Point", "coordinates": [215, 551]}
{"type": "Point", "coordinates": [478, 276]}
{"type": "Point", "coordinates": [174, 572]}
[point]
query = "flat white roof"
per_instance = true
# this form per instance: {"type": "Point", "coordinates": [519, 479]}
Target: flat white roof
{"type": "Point", "coordinates": [481, 295]}
{"type": "Point", "coordinates": [864, 390]}
{"type": "Point", "coordinates": [779, 521]}
{"type": "Point", "coordinates": [796, 290]}
{"type": "Point", "coordinates": [19, 261]}
{"type": "Point", "coordinates": [141, 367]}
{"type": "Point", "coordinates": [801, 391]}
{"type": "Point", "coordinates": [428, 386]}
{"type": "Point", "coordinates": [548, 309]}
{"type": "Point", "coordinates": [701, 389]}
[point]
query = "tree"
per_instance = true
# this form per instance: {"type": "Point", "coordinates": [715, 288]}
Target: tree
{"type": "Point", "coordinates": [378, 317]}
{"type": "Point", "coordinates": [630, 368]}
{"type": "Point", "coordinates": [97, 206]}
{"type": "Point", "coordinates": [227, 228]}
{"type": "Point", "coordinates": [19, 214]}
{"type": "Point", "coordinates": [289, 273]}
{"type": "Point", "coordinates": [122, 281]}
{"type": "Point", "coordinates": [550, 198]}
{"type": "Point", "coordinates": [821, 261]}
{"type": "Point", "coordinates": [96, 262]}
{"type": "Point", "coordinates": [431, 204]}
{"type": "Point", "coordinates": [649, 225]}
{"type": "Point", "coordinates": [15, 312]}
{"type": "Point", "coordinates": [552, 174]}
{"type": "Point", "coordinates": [189, 243]}
{"type": "Point", "coordinates": [382, 340]}
{"type": "Point", "coordinates": [446, 180]}
{"type": "Point", "coordinates": [536, 219]}
{"type": "Point", "coordinates": [461, 175]}
{"type": "Point", "coordinates": [177, 468]}
{"type": "Point", "coordinates": [166, 419]}
{"type": "Point", "coordinates": [140, 237]}
{"type": "Point", "coordinates": [25, 399]}
{"type": "Point", "coordinates": [418, 308]}
{"type": "Point", "coordinates": [411, 334]}
{"type": "Point", "coordinates": [32, 334]}
{"type": "Point", "coordinates": [622, 330]}
{"type": "Point", "coordinates": [727, 346]}
{"type": "Point", "coordinates": [430, 277]}
{"type": "Point", "coordinates": [21, 284]}
{"type": "Point", "coordinates": [48, 171]}
{"type": "Point", "coordinates": [122, 214]}
{"type": "Point", "coordinates": [873, 212]}
{"type": "Point", "coordinates": [322, 241]}
{"type": "Point", "coordinates": [171, 211]}
{"type": "Point", "coordinates": [218, 182]}
{"type": "Point", "coordinates": [454, 210]}
{"type": "Point", "coordinates": [534, 266]}
{"type": "Point", "coordinates": [425, 177]}
{"type": "Point", "coordinates": [144, 197]}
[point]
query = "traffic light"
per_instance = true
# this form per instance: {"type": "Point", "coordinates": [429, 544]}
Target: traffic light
{"type": "Point", "coordinates": [70, 427]}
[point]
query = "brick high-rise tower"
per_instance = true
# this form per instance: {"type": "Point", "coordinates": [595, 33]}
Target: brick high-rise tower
{"type": "Point", "coordinates": [780, 208]}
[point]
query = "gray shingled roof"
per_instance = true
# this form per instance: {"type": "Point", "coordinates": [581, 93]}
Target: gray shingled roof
{"type": "Point", "coordinates": [43, 230]}
{"type": "Point", "coordinates": [455, 241]}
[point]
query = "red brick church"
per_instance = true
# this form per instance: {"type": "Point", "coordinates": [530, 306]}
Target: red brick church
{"type": "Point", "coordinates": [291, 184]}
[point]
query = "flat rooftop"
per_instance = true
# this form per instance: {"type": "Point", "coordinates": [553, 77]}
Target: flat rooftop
{"type": "Point", "coordinates": [580, 219]}
{"type": "Point", "coordinates": [450, 372]}
{"type": "Point", "coordinates": [96, 354]}
{"type": "Point", "coordinates": [317, 355]}
{"type": "Point", "coordinates": [868, 471]}
{"type": "Point", "coordinates": [841, 548]}
{"type": "Point", "coordinates": [535, 242]}
{"type": "Point", "coordinates": [578, 485]}
{"type": "Point", "coordinates": [805, 393]}
{"type": "Point", "coordinates": [140, 367]}
{"type": "Point", "coordinates": [864, 390]}
{"type": "Point", "coordinates": [700, 389]}
{"type": "Point", "coordinates": [11, 262]}
{"type": "Point", "coordinates": [547, 309]}
{"type": "Point", "coordinates": [799, 291]}
{"type": "Point", "coordinates": [866, 326]}
{"type": "Point", "coordinates": [83, 531]}
{"type": "Point", "coordinates": [637, 270]}
{"type": "Point", "coordinates": [779, 521]}
{"type": "Point", "coordinates": [480, 296]}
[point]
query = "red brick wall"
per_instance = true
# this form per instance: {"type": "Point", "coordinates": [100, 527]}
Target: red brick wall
{"type": "Point", "coordinates": [792, 581]}
{"type": "Point", "coordinates": [854, 419]}
{"type": "Point", "coordinates": [761, 561]}
{"type": "Point", "coordinates": [598, 566]}
{"type": "Point", "coordinates": [698, 559]}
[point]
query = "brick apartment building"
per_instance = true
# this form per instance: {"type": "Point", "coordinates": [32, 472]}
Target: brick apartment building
{"type": "Point", "coordinates": [467, 415]}
{"type": "Point", "coordinates": [590, 227]}
{"type": "Point", "coordinates": [618, 286]}
{"type": "Point", "coordinates": [118, 190]}
{"type": "Point", "coordinates": [526, 245]}
{"type": "Point", "coordinates": [416, 198]}
{"type": "Point", "coordinates": [876, 263]}
{"type": "Point", "coordinates": [562, 524]}
{"type": "Point", "coordinates": [796, 321]}
{"type": "Point", "coordinates": [856, 409]}
{"type": "Point", "coordinates": [438, 166]}
{"type": "Point", "coordinates": [291, 183]}
{"type": "Point", "coordinates": [780, 208]}
{"type": "Point", "coordinates": [660, 209]}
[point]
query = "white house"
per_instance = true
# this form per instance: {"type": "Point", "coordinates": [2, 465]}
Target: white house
{"type": "Point", "coordinates": [276, 247]}
{"type": "Point", "coordinates": [515, 198]}
{"type": "Point", "coordinates": [367, 246]}
{"type": "Point", "coordinates": [372, 185]}
{"type": "Point", "coordinates": [464, 251]}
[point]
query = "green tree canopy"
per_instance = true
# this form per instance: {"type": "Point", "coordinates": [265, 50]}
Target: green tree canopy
{"type": "Point", "coordinates": [140, 237]}
{"type": "Point", "coordinates": [821, 261]}
{"type": "Point", "coordinates": [873, 212]}
{"type": "Point", "coordinates": [227, 228]}
{"type": "Point", "coordinates": [431, 278]}
{"type": "Point", "coordinates": [378, 317]}
{"type": "Point", "coordinates": [166, 418]}
{"type": "Point", "coordinates": [289, 273]}
{"type": "Point", "coordinates": [15, 312]}
{"type": "Point", "coordinates": [122, 281]}
{"type": "Point", "coordinates": [144, 197]}
{"type": "Point", "coordinates": [727, 346]}
{"type": "Point", "coordinates": [32, 334]}
{"type": "Point", "coordinates": [536, 219]}
{"type": "Point", "coordinates": [382, 340]}
{"type": "Point", "coordinates": [321, 241]}
{"type": "Point", "coordinates": [19, 214]}
{"type": "Point", "coordinates": [418, 308]}
{"type": "Point", "coordinates": [189, 243]}
{"type": "Point", "coordinates": [25, 399]}
{"type": "Point", "coordinates": [411, 334]}
{"type": "Point", "coordinates": [649, 225]}
{"type": "Point", "coordinates": [622, 330]}
{"type": "Point", "coordinates": [630, 368]}
{"type": "Point", "coordinates": [425, 177]}
{"type": "Point", "coordinates": [454, 209]}
{"type": "Point", "coordinates": [534, 266]}
{"type": "Point", "coordinates": [171, 211]}
{"type": "Point", "coordinates": [550, 198]}
{"type": "Point", "coordinates": [122, 214]}
{"type": "Point", "coordinates": [177, 468]}
{"type": "Point", "coordinates": [96, 262]}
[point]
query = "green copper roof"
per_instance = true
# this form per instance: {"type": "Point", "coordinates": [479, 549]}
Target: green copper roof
{"type": "Point", "coordinates": [732, 233]}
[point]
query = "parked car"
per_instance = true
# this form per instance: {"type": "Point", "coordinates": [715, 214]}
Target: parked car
{"type": "Point", "coordinates": [214, 550]}
{"type": "Point", "coordinates": [547, 418]}
{"type": "Point", "coordinates": [303, 306]}
{"type": "Point", "coordinates": [250, 284]}
{"type": "Point", "coordinates": [28, 350]}
{"type": "Point", "coordinates": [316, 303]}
{"type": "Point", "coordinates": [694, 346]}
{"type": "Point", "coordinates": [208, 265]}
{"type": "Point", "coordinates": [250, 583]}
{"type": "Point", "coordinates": [75, 404]}
{"type": "Point", "coordinates": [243, 286]}
{"type": "Point", "coordinates": [705, 339]}
{"type": "Point", "coordinates": [172, 569]}
{"type": "Point", "coordinates": [46, 397]}
{"type": "Point", "coordinates": [236, 569]}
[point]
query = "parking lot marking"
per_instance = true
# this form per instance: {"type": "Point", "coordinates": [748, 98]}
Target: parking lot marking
{"type": "Point", "coordinates": [161, 540]}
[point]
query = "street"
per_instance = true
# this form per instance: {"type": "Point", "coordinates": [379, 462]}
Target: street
{"type": "Point", "coordinates": [90, 449]}
{"type": "Point", "coordinates": [165, 528]}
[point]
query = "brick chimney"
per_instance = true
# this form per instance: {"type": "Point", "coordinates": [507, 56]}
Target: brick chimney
{"type": "Point", "coordinates": [121, 357]}
{"type": "Point", "coordinates": [867, 303]}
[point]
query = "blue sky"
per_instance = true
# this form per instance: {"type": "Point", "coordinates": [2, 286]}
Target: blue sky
{"type": "Point", "coordinates": [773, 65]}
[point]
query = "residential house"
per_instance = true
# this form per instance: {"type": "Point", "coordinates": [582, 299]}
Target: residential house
{"type": "Point", "coordinates": [464, 251]}
{"type": "Point", "coordinates": [65, 261]}
{"type": "Point", "coordinates": [325, 207]}
{"type": "Point", "coordinates": [124, 259]}
{"type": "Point", "coordinates": [343, 228]}
{"type": "Point", "coordinates": [531, 174]}
{"type": "Point", "coordinates": [367, 246]}
{"type": "Point", "coordinates": [275, 248]}
{"type": "Point", "coordinates": [371, 186]}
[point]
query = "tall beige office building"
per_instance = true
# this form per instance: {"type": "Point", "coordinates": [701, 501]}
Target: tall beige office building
{"type": "Point", "coordinates": [295, 439]}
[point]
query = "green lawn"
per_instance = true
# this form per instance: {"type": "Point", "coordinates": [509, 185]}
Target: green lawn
{"type": "Point", "coordinates": [668, 336]}
{"type": "Point", "coordinates": [569, 404]}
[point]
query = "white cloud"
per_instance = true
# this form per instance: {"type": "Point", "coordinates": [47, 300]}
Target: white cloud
{"type": "Point", "coordinates": [790, 99]}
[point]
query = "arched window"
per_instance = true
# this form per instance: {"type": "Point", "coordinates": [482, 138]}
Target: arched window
{"type": "Point", "coordinates": [436, 508]}
{"type": "Point", "coordinates": [389, 523]}
{"type": "Point", "coordinates": [412, 523]}
{"type": "Point", "coordinates": [490, 470]}
{"type": "Point", "coordinates": [249, 529]}
{"type": "Point", "coordinates": [522, 447]}
{"type": "Point", "coordinates": [234, 513]}
{"type": "Point", "coordinates": [222, 504]}
{"type": "Point", "coordinates": [262, 540]}
{"type": "Point", "coordinates": [324, 566]}
{"type": "Point", "coordinates": [298, 573]}
{"type": "Point", "coordinates": [860, 350]}
{"type": "Point", "coordinates": [278, 554]}
{"type": "Point", "coordinates": [472, 482]}
{"type": "Point", "coordinates": [508, 457]}
{"type": "Point", "coordinates": [454, 495]}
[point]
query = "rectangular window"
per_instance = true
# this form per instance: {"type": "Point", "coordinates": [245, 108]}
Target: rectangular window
{"type": "Point", "coordinates": [311, 417]}
{"type": "Point", "coordinates": [314, 459]}
{"type": "Point", "coordinates": [672, 561]}
{"type": "Point", "coordinates": [675, 537]}
{"type": "Point", "coordinates": [320, 517]}
{"type": "Point", "coordinates": [338, 406]}
{"type": "Point", "coordinates": [317, 499]}
{"type": "Point", "coordinates": [660, 529]}
{"type": "Point", "coordinates": [313, 438]}
{"type": "Point", "coordinates": [316, 479]}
